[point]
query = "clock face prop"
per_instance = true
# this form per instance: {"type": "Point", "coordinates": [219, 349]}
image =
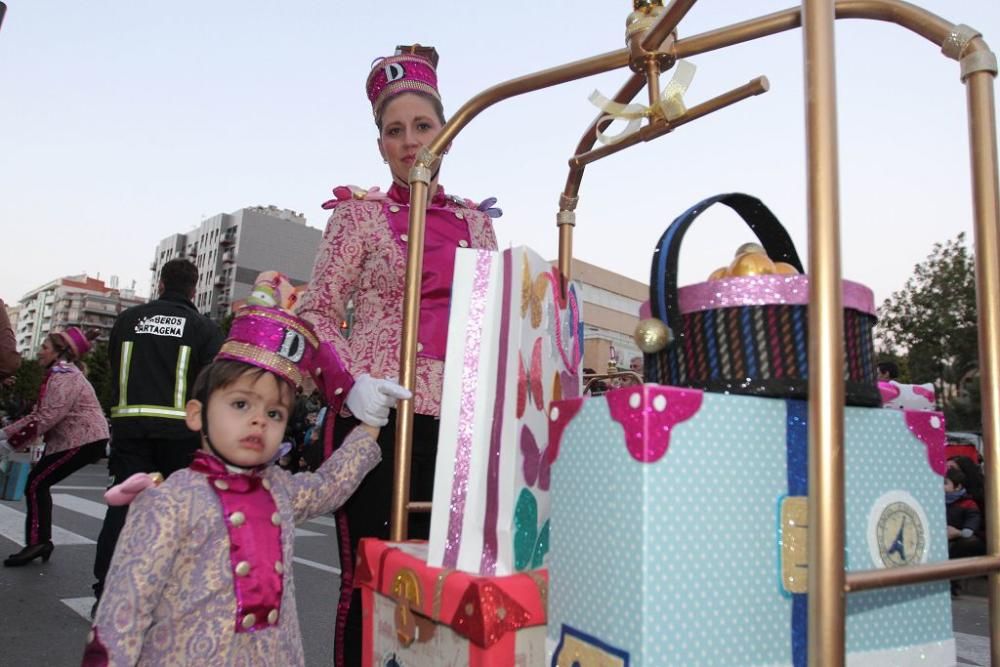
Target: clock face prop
{"type": "Point", "coordinates": [897, 530]}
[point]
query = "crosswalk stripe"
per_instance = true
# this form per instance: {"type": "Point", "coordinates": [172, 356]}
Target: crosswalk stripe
{"type": "Point", "coordinates": [318, 566]}
{"type": "Point", "coordinates": [973, 649]}
{"type": "Point", "coordinates": [330, 522]}
{"type": "Point", "coordinates": [80, 605]}
{"type": "Point", "coordinates": [12, 527]}
{"type": "Point", "coordinates": [80, 505]}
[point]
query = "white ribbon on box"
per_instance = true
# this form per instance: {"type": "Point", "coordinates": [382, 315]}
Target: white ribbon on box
{"type": "Point", "coordinates": [514, 344]}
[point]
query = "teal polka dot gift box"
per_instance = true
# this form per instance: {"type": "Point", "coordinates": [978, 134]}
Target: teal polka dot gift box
{"type": "Point", "coordinates": [678, 528]}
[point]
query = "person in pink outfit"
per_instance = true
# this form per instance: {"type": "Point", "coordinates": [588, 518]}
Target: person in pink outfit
{"type": "Point", "coordinates": [202, 573]}
{"type": "Point", "coordinates": [69, 418]}
{"type": "Point", "coordinates": [363, 257]}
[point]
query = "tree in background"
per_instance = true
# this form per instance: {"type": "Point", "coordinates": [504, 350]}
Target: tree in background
{"type": "Point", "coordinates": [99, 374]}
{"type": "Point", "coordinates": [17, 397]}
{"type": "Point", "coordinates": [931, 324]}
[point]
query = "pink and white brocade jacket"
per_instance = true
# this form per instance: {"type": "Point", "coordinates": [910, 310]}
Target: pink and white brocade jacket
{"type": "Point", "coordinates": [202, 573]}
{"type": "Point", "coordinates": [67, 413]}
{"type": "Point", "coordinates": [363, 257]}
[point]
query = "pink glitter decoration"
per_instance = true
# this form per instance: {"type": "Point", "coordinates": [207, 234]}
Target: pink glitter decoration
{"type": "Point", "coordinates": [470, 384]}
{"type": "Point", "coordinates": [929, 429]}
{"type": "Point", "coordinates": [648, 413]}
{"type": "Point", "coordinates": [561, 413]}
{"type": "Point", "coordinates": [923, 391]}
{"type": "Point", "coordinates": [763, 291]}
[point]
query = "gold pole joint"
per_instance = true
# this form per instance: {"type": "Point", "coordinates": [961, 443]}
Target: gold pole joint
{"type": "Point", "coordinates": [958, 39]}
{"type": "Point", "coordinates": [427, 158]}
{"type": "Point", "coordinates": [567, 203]}
{"type": "Point", "coordinates": [420, 174]}
{"type": "Point", "coordinates": [566, 218]}
{"type": "Point", "coordinates": [978, 61]}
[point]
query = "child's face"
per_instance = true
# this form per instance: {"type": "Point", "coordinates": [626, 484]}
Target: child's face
{"type": "Point", "coordinates": [949, 486]}
{"type": "Point", "coordinates": [247, 419]}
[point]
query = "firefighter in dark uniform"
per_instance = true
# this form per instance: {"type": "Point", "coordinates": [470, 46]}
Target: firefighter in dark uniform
{"type": "Point", "coordinates": [156, 351]}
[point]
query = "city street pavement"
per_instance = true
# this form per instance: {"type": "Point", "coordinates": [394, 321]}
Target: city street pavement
{"type": "Point", "coordinates": [45, 608]}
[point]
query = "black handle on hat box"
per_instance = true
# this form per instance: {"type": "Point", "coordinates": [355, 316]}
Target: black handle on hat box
{"type": "Point", "coordinates": [663, 276]}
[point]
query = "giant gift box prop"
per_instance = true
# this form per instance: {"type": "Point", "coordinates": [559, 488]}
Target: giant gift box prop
{"type": "Point", "coordinates": [514, 345]}
{"type": "Point", "coordinates": [678, 528]}
{"type": "Point", "coordinates": [421, 616]}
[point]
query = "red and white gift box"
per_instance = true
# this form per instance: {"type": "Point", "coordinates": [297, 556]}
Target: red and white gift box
{"type": "Point", "coordinates": [416, 615]}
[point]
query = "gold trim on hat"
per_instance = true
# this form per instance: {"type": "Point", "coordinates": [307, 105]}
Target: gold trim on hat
{"type": "Point", "coordinates": [263, 358]}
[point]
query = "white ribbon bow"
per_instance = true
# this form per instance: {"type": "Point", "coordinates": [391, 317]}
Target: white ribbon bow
{"type": "Point", "coordinates": [670, 106]}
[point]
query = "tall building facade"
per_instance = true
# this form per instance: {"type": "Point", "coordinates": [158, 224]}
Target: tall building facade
{"type": "Point", "coordinates": [79, 301]}
{"type": "Point", "coordinates": [231, 249]}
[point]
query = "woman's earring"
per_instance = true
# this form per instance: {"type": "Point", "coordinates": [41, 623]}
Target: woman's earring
{"type": "Point", "coordinates": [384, 161]}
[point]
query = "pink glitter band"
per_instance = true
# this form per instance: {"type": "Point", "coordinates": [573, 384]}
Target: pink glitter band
{"type": "Point", "coordinates": [470, 385]}
{"type": "Point", "coordinates": [271, 339]}
{"type": "Point", "coordinates": [764, 291]}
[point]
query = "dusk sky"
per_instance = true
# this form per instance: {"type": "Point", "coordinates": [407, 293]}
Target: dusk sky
{"type": "Point", "coordinates": [124, 122]}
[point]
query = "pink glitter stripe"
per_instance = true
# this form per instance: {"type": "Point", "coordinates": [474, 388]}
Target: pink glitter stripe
{"type": "Point", "coordinates": [488, 563]}
{"type": "Point", "coordinates": [466, 415]}
{"type": "Point", "coordinates": [763, 291]}
{"type": "Point", "coordinates": [33, 493]}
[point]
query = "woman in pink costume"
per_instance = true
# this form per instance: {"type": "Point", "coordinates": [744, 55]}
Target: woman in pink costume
{"type": "Point", "coordinates": [202, 573]}
{"type": "Point", "coordinates": [73, 425]}
{"type": "Point", "coordinates": [363, 258]}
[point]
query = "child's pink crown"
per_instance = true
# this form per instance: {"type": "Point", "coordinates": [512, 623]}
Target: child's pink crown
{"type": "Point", "coordinates": [269, 337]}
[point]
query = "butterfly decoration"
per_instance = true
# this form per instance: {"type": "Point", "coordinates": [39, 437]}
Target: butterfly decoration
{"type": "Point", "coordinates": [530, 543]}
{"type": "Point", "coordinates": [487, 207]}
{"type": "Point", "coordinates": [529, 380]}
{"type": "Point", "coordinates": [566, 328]}
{"type": "Point", "coordinates": [565, 385]}
{"type": "Point", "coordinates": [348, 192]}
{"type": "Point", "coordinates": [533, 293]}
{"type": "Point", "coordinates": [536, 464]}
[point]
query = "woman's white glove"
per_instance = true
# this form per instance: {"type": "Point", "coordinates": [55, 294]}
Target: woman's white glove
{"type": "Point", "coordinates": [370, 399]}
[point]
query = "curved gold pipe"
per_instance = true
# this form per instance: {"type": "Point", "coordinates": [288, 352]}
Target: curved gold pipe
{"type": "Point", "coordinates": [544, 79]}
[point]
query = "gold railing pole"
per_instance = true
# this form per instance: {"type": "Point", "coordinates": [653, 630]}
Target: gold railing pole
{"type": "Point", "coordinates": [420, 177]}
{"type": "Point", "coordinates": [827, 600]}
{"type": "Point", "coordinates": [959, 568]}
{"type": "Point", "coordinates": [985, 197]}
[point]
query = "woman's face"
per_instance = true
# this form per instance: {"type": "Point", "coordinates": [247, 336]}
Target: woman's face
{"type": "Point", "coordinates": [409, 122]}
{"type": "Point", "coordinates": [47, 354]}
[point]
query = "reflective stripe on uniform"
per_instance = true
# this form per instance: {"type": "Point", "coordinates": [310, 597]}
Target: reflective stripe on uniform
{"type": "Point", "coordinates": [126, 359]}
{"type": "Point", "coordinates": [147, 411]}
{"type": "Point", "coordinates": [176, 411]}
{"type": "Point", "coordinates": [180, 380]}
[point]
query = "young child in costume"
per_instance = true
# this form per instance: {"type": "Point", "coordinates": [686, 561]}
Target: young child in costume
{"type": "Point", "coordinates": [202, 574]}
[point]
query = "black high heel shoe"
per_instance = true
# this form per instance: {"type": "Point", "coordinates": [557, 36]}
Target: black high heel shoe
{"type": "Point", "coordinates": [29, 553]}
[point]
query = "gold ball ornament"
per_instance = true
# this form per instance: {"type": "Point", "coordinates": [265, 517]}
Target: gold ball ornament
{"type": "Point", "coordinates": [751, 264]}
{"type": "Point", "coordinates": [719, 273]}
{"type": "Point", "coordinates": [750, 247]}
{"type": "Point", "coordinates": [784, 268]}
{"type": "Point", "coordinates": [652, 335]}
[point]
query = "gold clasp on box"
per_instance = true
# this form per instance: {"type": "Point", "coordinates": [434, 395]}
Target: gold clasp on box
{"type": "Point", "coordinates": [793, 538]}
